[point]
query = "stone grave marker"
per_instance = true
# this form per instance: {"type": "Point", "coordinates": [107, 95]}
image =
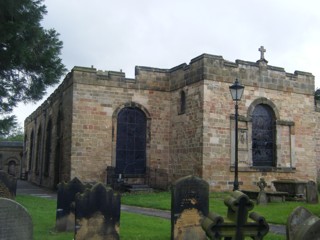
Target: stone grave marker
{"type": "Point", "coordinates": [189, 205]}
{"type": "Point", "coordinates": [312, 192]}
{"type": "Point", "coordinates": [8, 185]}
{"type": "Point", "coordinates": [302, 224]}
{"type": "Point", "coordinates": [97, 214]}
{"type": "Point", "coordinates": [66, 195]}
{"type": "Point", "coordinates": [15, 221]}
{"type": "Point", "coordinates": [237, 225]}
{"type": "Point", "coordinates": [262, 198]}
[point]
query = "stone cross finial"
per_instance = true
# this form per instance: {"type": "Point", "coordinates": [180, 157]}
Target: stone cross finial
{"type": "Point", "coordinates": [262, 50]}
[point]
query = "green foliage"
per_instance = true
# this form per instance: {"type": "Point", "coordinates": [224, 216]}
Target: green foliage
{"type": "Point", "coordinates": [7, 124]}
{"type": "Point", "coordinates": [29, 54]}
{"type": "Point", "coordinates": [13, 134]}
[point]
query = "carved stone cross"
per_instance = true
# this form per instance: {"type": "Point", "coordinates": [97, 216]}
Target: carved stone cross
{"type": "Point", "coordinates": [262, 50]}
{"type": "Point", "coordinates": [237, 225]}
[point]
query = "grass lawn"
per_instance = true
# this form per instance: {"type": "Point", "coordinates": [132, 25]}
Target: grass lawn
{"type": "Point", "coordinates": [276, 213]}
{"type": "Point", "coordinates": [135, 226]}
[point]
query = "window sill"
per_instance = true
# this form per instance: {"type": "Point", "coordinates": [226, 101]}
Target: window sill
{"type": "Point", "coordinates": [265, 169]}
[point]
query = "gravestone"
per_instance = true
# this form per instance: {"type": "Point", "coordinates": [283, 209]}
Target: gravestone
{"type": "Point", "coordinates": [312, 192]}
{"type": "Point", "coordinates": [262, 198]}
{"type": "Point", "coordinates": [15, 221]}
{"type": "Point", "coordinates": [296, 189]}
{"type": "Point", "coordinates": [66, 195]}
{"type": "Point", "coordinates": [8, 185]}
{"type": "Point", "coordinates": [237, 226]}
{"type": "Point", "coordinates": [97, 214]}
{"type": "Point", "coordinates": [302, 224]}
{"type": "Point", "coordinates": [189, 205]}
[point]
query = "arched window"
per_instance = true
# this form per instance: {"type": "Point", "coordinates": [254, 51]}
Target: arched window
{"type": "Point", "coordinates": [30, 151]}
{"type": "Point", "coordinates": [263, 136]}
{"type": "Point", "coordinates": [182, 102]}
{"type": "Point", "coordinates": [38, 150]}
{"type": "Point", "coordinates": [58, 150]}
{"type": "Point", "coordinates": [131, 141]}
{"type": "Point", "coordinates": [48, 148]}
{"type": "Point", "coordinates": [12, 168]}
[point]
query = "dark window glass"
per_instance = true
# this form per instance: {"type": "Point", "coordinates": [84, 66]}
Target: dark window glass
{"type": "Point", "coordinates": [131, 142]}
{"type": "Point", "coordinates": [182, 102]}
{"type": "Point", "coordinates": [263, 136]}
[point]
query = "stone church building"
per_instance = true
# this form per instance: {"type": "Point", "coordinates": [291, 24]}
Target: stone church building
{"type": "Point", "coordinates": [168, 123]}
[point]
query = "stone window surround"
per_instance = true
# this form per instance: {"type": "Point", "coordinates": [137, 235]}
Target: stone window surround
{"type": "Point", "coordinates": [114, 129]}
{"type": "Point", "coordinates": [248, 121]}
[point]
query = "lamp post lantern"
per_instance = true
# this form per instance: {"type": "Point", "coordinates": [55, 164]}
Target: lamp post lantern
{"type": "Point", "coordinates": [236, 91]}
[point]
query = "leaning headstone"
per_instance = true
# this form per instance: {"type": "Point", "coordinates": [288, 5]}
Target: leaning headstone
{"type": "Point", "coordinates": [189, 205]}
{"type": "Point", "coordinates": [97, 214]}
{"type": "Point", "coordinates": [15, 221]}
{"type": "Point", "coordinates": [312, 192]}
{"type": "Point", "coordinates": [66, 195]}
{"type": "Point", "coordinates": [8, 185]}
{"type": "Point", "coordinates": [237, 225]}
{"type": "Point", "coordinates": [302, 224]}
{"type": "Point", "coordinates": [262, 198]}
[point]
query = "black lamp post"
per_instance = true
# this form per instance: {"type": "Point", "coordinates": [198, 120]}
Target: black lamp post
{"type": "Point", "coordinates": [236, 91]}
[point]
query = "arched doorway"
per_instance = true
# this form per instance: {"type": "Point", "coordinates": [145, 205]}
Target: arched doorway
{"type": "Point", "coordinates": [12, 168]}
{"type": "Point", "coordinates": [131, 141]}
{"type": "Point", "coordinates": [263, 136]}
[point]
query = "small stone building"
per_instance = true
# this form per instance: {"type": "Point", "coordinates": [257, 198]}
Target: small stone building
{"type": "Point", "coordinates": [168, 123]}
{"type": "Point", "coordinates": [10, 157]}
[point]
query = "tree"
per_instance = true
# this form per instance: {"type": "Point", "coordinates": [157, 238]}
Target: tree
{"type": "Point", "coordinates": [29, 57]}
{"type": "Point", "coordinates": [15, 135]}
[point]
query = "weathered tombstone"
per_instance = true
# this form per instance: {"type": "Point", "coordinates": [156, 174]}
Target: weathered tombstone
{"type": "Point", "coordinates": [189, 206]}
{"type": "Point", "coordinates": [302, 224]}
{"type": "Point", "coordinates": [312, 192]}
{"type": "Point", "coordinates": [66, 195]}
{"type": "Point", "coordinates": [8, 185]}
{"type": "Point", "coordinates": [262, 196]}
{"type": "Point", "coordinates": [296, 189]}
{"type": "Point", "coordinates": [15, 221]}
{"type": "Point", "coordinates": [97, 214]}
{"type": "Point", "coordinates": [237, 225]}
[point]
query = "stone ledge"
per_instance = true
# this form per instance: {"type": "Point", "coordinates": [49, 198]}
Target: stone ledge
{"type": "Point", "coordinates": [264, 169]}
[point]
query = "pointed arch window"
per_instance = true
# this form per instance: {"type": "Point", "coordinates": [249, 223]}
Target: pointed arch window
{"type": "Point", "coordinates": [263, 136]}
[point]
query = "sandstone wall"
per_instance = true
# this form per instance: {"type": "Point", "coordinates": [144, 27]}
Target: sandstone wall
{"type": "Point", "coordinates": [97, 100]}
{"type": "Point", "coordinates": [57, 109]}
{"type": "Point", "coordinates": [198, 141]}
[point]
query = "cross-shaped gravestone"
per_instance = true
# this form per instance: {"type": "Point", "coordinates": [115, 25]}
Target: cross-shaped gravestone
{"type": "Point", "coordinates": [237, 225]}
{"type": "Point", "coordinates": [262, 197]}
{"type": "Point", "coordinates": [262, 50]}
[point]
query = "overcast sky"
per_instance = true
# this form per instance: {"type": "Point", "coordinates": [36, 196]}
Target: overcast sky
{"type": "Point", "coordinates": [120, 34]}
